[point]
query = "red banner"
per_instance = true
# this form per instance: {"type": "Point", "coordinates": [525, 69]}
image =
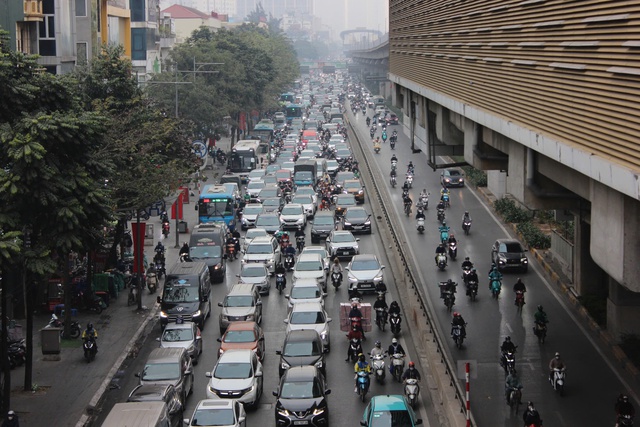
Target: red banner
{"type": "Point", "coordinates": [176, 207]}
{"type": "Point", "coordinates": [138, 232]}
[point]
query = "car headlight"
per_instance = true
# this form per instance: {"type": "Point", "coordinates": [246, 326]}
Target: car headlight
{"type": "Point", "coordinates": [524, 260]}
{"type": "Point", "coordinates": [212, 390]}
{"type": "Point", "coordinates": [220, 351]}
{"type": "Point", "coordinates": [163, 315]}
{"type": "Point", "coordinates": [378, 277]}
{"type": "Point", "coordinates": [352, 279]}
{"type": "Point", "coordinates": [318, 364]}
{"type": "Point", "coordinates": [244, 220]}
{"type": "Point", "coordinates": [348, 224]}
{"type": "Point", "coordinates": [217, 266]}
{"type": "Point", "coordinates": [318, 411]}
{"type": "Point", "coordinates": [197, 314]}
{"type": "Point", "coordinates": [250, 317]}
{"type": "Point", "coordinates": [191, 349]}
{"type": "Point", "coordinates": [285, 365]}
{"type": "Point", "coordinates": [367, 222]}
{"type": "Point", "coordinates": [447, 180]}
{"type": "Point", "coordinates": [360, 191]}
{"type": "Point", "coordinates": [356, 247]}
{"type": "Point", "coordinates": [283, 412]}
{"type": "Point", "coordinates": [324, 335]}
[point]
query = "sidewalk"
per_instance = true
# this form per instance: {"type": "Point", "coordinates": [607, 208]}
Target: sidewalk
{"type": "Point", "coordinates": [65, 391]}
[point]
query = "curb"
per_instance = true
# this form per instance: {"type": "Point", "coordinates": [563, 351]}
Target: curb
{"type": "Point", "coordinates": [97, 397]}
{"type": "Point", "coordinates": [607, 340]}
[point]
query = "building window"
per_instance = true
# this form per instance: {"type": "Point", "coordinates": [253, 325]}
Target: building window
{"type": "Point", "coordinates": [82, 54]}
{"type": "Point", "coordinates": [137, 10]}
{"type": "Point", "coordinates": [81, 7]}
{"type": "Point", "coordinates": [47, 30]}
{"type": "Point", "coordinates": [138, 44]}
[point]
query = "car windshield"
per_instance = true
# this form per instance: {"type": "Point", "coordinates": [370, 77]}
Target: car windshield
{"type": "Point", "coordinates": [252, 210]}
{"type": "Point", "coordinates": [303, 175]}
{"type": "Point", "coordinates": [213, 417]}
{"type": "Point", "coordinates": [233, 370]}
{"type": "Point", "coordinates": [283, 175]}
{"type": "Point", "coordinates": [238, 301]}
{"type": "Point", "coordinates": [454, 174]}
{"type": "Point", "coordinates": [332, 164]}
{"type": "Point", "coordinates": [301, 191]}
{"type": "Point", "coordinates": [364, 265]}
{"type": "Point", "coordinates": [259, 248]}
{"type": "Point", "coordinates": [302, 348]}
{"type": "Point", "coordinates": [252, 270]}
{"type": "Point", "coordinates": [288, 165]}
{"type": "Point", "coordinates": [352, 185]}
{"type": "Point", "coordinates": [306, 317]}
{"type": "Point", "coordinates": [343, 238]}
{"type": "Point", "coordinates": [208, 251]}
{"type": "Point", "coordinates": [254, 232]}
{"type": "Point", "coordinates": [174, 292]}
{"type": "Point", "coordinates": [357, 215]}
{"type": "Point", "coordinates": [268, 193]}
{"type": "Point", "coordinates": [305, 292]}
{"type": "Point", "coordinates": [239, 336]}
{"type": "Point", "coordinates": [314, 265]}
{"type": "Point", "coordinates": [300, 390]}
{"type": "Point", "coordinates": [274, 201]}
{"type": "Point", "coordinates": [291, 210]}
{"type": "Point", "coordinates": [301, 199]}
{"type": "Point", "coordinates": [511, 247]}
{"type": "Point", "coordinates": [268, 221]}
{"type": "Point", "coordinates": [161, 372]}
{"type": "Point", "coordinates": [324, 220]}
{"type": "Point", "coordinates": [391, 419]}
{"type": "Point", "coordinates": [176, 335]}
{"type": "Point", "coordinates": [255, 185]}
{"type": "Point", "coordinates": [319, 251]}
{"type": "Point", "coordinates": [343, 176]}
{"type": "Point", "coordinates": [345, 200]}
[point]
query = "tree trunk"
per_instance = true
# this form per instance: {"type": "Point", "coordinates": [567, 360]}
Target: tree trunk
{"type": "Point", "coordinates": [6, 371]}
{"type": "Point", "coordinates": [139, 250]}
{"type": "Point", "coordinates": [28, 365]}
{"type": "Point", "coordinates": [117, 238]}
{"type": "Point", "coordinates": [68, 289]}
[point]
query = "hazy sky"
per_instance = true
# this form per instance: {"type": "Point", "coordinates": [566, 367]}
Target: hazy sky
{"type": "Point", "coordinates": [349, 14]}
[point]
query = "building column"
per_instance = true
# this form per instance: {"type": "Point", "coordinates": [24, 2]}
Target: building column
{"type": "Point", "coordinates": [623, 311]}
{"type": "Point", "coordinates": [588, 277]}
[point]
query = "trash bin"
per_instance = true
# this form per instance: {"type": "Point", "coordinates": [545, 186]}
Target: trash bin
{"type": "Point", "coordinates": [182, 227]}
{"type": "Point", "coordinates": [50, 340]}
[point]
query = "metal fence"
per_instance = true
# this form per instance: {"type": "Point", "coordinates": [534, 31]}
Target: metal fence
{"type": "Point", "coordinates": [562, 250]}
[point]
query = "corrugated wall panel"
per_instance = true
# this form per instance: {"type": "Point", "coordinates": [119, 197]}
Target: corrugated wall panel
{"type": "Point", "coordinates": [576, 74]}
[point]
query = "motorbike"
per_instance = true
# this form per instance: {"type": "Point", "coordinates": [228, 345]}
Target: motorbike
{"type": "Point", "coordinates": [540, 331]}
{"type": "Point", "coordinates": [472, 289]}
{"type": "Point", "coordinates": [397, 366]}
{"type": "Point", "coordinates": [441, 215]}
{"type": "Point", "coordinates": [465, 274]}
{"type": "Point", "coordinates": [407, 208]}
{"type": "Point", "coordinates": [377, 365]}
{"type": "Point", "coordinates": [445, 200]}
{"type": "Point", "coordinates": [355, 348]}
{"type": "Point", "coordinates": [160, 270]}
{"type": "Point", "coordinates": [381, 318]}
{"type": "Point", "coordinates": [409, 180]}
{"type": "Point", "coordinates": [449, 300]}
{"type": "Point", "coordinates": [420, 225]}
{"type": "Point", "coordinates": [289, 262]}
{"type": "Point", "coordinates": [372, 132]}
{"type": "Point", "coordinates": [90, 349]}
{"type": "Point", "coordinates": [394, 165]}
{"type": "Point", "coordinates": [281, 282]}
{"type": "Point", "coordinates": [133, 294]}
{"type": "Point", "coordinates": [165, 228]}
{"type": "Point", "coordinates": [16, 353]}
{"type": "Point", "coordinates": [515, 398]}
{"type": "Point", "coordinates": [444, 235]}
{"type": "Point", "coordinates": [384, 135]}
{"type": "Point", "coordinates": [336, 280]}
{"type": "Point", "coordinates": [74, 329]}
{"type": "Point", "coordinates": [376, 148]}
{"type": "Point", "coordinates": [152, 282]}
{"type": "Point", "coordinates": [557, 380]}
{"type": "Point", "coordinates": [300, 243]}
{"type": "Point", "coordinates": [441, 261]}
{"type": "Point", "coordinates": [625, 420]}
{"type": "Point", "coordinates": [363, 384]}
{"type": "Point", "coordinates": [457, 335]}
{"type": "Point", "coordinates": [392, 142]}
{"type": "Point", "coordinates": [411, 390]}
{"type": "Point", "coordinates": [466, 226]}
{"type": "Point", "coordinates": [424, 201]}
{"type": "Point", "coordinates": [453, 250]}
{"type": "Point", "coordinates": [496, 287]}
{"type": "Point", "coordinates": [395, 321]}
{"type": "Point", "coordinates": [393, 181]}
{"type": "Point", "coordinates": [519, 300]}
{"type": "Point", "coordinates": [508, 361]}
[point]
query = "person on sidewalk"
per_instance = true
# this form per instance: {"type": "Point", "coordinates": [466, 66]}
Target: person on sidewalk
{"type": "Point", "coordinates": [11, 420]}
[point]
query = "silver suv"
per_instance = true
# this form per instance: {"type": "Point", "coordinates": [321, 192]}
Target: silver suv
{"type": "Point", "coordinates": [242, 303]}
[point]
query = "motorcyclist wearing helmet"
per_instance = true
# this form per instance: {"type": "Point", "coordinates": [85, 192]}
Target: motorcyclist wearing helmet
{"type": "Point", "coordinates": [458, 321]}
{"type": "Point", "coordinates": [394, 308]}
{"type": "Point", "coordinates": [411, 373]}
{"type": "Point", "coordinates": [377, 350]}
{"type": "Point", "coordinates": [420, 214]}
{"type": "Point", "coordinates": [337, 268]}
{"type": "Point", "coordinates": [624, 408]}
{"type": "Point", "coordinates": [519, 287]}
{"type": "Point", "coordinates": [511, 382]}
{"type": "Point", "coordinates": [396, 347]}
{"type": "Point", "coordinates": [289, 250]}
{"type": "Point", "coordinates": [440, 250]}
{"type": "Point", "coordinates": [394, 158]}
{"type": "Point", "coordinates": [184, 250]}
{"type": "Point", "coordinates": [555, 363]}
{"type": "Point", "coordinates": [466, 263]}
{"type": "Point", "coordinates": [540, 316]}
{"type": "Point", "coordinates": [508, 346]}
{"type": "Point", "coordinates": [440, 205]}
{"type": "Point", "coordinates": [452, 239]}
{"type": "Point", "coordinates": [90, 334]}
{"type": "Point", "coordinates": [361, 365]}
{"type": "Point", "coordinates": [410, 168]}
{"type": "Point", "coordinates": [494, 274]}
{"type": "Point", "coordinates": [11, 420]}
{"type": "Point", "coordinates": [355, 315]}
{"type": "Point", "coordinates": [466, 217]}
{"type": "Point", "coordinates": [380, 303]}
{"type": "Point", "coordinates": [356, 334]}
{"type": "Point", "coordinates": [531, 416]}
{"type": "Point", "coordinates": [444, 227]}
{"type": "Point", "coordinates": [449, 287]}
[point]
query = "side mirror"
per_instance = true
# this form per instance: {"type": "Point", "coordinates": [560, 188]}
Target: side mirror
{"type": "Point", "coordinates": [158, 339]}
{"type": "Point", "coordinates": [258, 302]}
{"type": "Point", "coordinates": [219, 339]}
{"type": "Point", "coordinates": [286, 320]}
{"type": "Point", "coordinates": [275, 393]}
{"type": "Point", "coordinates": [159, 299]}
{"type": "Point", "coordinates": [363, 423]}
{"type": "Point", "coordinates": [327, 391]}
{"type": "Point", "coordinates": [287, 296]}
{"type": "Point", "coordinates": [279, 353]}
{"type": "Point", "coordinates": [358, 239]}
{"type": "Point", "coordinates": [198, 337]}
{"type": "Point", "coordinates": [324, 294]}
{"type": "Point", "coordinates": [185, 421]}
{"type": "Point", "coordinates": [258, 374]}
{"type": "Point", "coordinates": [382, 267]}
{"type": "Point", "coordinates": [196, 207]}
{"type": "Point", "coordinates": [207, 374]}
{"type": "Point", "coordinates": [219, 304]}
{"type": "Point", "coordinates": [419, 421]}
{"type": "Point", "coordinates": [329, 319]}
{"type": "Point", "coordinates": [237, 275]}
{"type": "Point", "coordinates": [137, 374]}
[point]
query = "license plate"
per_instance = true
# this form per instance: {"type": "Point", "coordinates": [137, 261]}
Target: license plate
{"type": "Point", "coordinates": [300, 423]}
{"type": "Point", "coordinates": [366, 285]}
{"type": "Point", "coordinates": [344, 252]}
{"type": "Point", "coordinates": [357, 227]}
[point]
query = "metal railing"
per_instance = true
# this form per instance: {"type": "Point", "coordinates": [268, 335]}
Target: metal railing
{"type": "Point", "coordinates": [562, 249]}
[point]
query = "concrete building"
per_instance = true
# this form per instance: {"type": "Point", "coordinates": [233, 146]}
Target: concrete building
{"type": "Point", "coordinates": [187, 19]}
{"type": "Point", "coordinates": [222, 7]}
{"type": "Point", "coordinates": [545, 96]}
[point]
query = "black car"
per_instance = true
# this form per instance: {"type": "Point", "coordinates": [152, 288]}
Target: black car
{"type": "Point", "coordinates": [302, 397]}
{"type": "Point", "coordinates": [509, 254]}
{"type": "Point", "coordinates": [357, 220]}
{"type": "Point", "coordinates": [160, 393]}
{"type": "Point", "coordinates": [301, 348]}
{"type": "Point", "coordinates": [323, 223]}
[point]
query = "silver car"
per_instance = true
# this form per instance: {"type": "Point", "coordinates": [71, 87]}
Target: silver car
{"type": "Point", "coordinates": [305, 290]}
{"type": "Point", "coordinates": [252, 234]}
{"type": "Point", "coordinates": [310, 315]}
{"type": "Point", "coordinates": [258, 275]}
{"type": "Point", "coordinates": [236, 375]}
{"type": "Point", "coordinates": [250, 214]}
{"type": "Point", "coordinates": [306, 200]}
{"type": "Point", "coordinates": [218, 413]}
{"type": "Point", "coordinates": [183, 335]}
{"type": "Point", "coordinates": [320, 250]}
{"type": "Point", "coordinates": [342, 244]}
{"type": "Point", "coordinates": [365, 272]}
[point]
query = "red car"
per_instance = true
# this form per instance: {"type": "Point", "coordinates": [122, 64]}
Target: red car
{"type": "Point", "coordinates": [392, 119]}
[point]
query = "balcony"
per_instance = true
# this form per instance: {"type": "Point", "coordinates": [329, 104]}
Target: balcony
{"type": "Point", "coordinates": [33, 10]}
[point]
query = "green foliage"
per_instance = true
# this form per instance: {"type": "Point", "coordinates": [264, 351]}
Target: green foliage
{"type": "Point", "coordinates": [533, 236]}
{"type": "Point", "coordinates": [475, 176]}
{"type": "Point", "coordinates": [511, 213]}
{"type": "Point", "coordinates": [596, 305]}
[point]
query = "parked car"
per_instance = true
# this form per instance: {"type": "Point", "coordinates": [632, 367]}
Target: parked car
{"type": "Point", "coordinates": [301, 397]}
{"type": "Point", "coordinates": [509, 254]}
{"type": "Point", "coordinates": [236, 375]}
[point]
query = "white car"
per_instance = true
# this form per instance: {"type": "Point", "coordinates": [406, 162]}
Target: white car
{"type": "Point", "coordinates": [256, 274]}
{"type": "Point", "coordinates": [252, 234]}
{"type": "Point", "coordinates": [250, 214]}
{"type": "Point", "coordinates": [320, 250]}
{"type": "Point", "coordinates": [236, 375]}
{"type": "Point", "coordinates": [365, 272]}
{"type": "Point", "coordinates": [306, 200]}
{"type": "Point", "coordinates": [218, 413]}
{"type": "Point", "coordinates": [305, 290]}
{"type": "Point", "coordinates": [308, 190]}
{"type": "Point", "coordinates": [311, 266]}
{"type": "Point", "coordinates": [310, 315]}
{"type": "Point", "coordinates": [342, 244]}
{"type": "Point", "coordinates": [253, 187]}
{"type": "Point", "coordinates": [256, 174]}
{"type": "Point", "coordinates": [293, 217]}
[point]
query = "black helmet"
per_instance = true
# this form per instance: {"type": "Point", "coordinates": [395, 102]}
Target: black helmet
{"type": "Point", "coordinates": [89, 326]}
{"type": "Point", "coordinates": [466, 258]}
{"type": "Point", "coordinates": [449, 281]}
{"type": "Point", "coordinates": [539, 308]}
{"type": "Point", "coordinates": [508, 339]}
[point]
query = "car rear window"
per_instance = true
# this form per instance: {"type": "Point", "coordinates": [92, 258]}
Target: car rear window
{"type": "Point", "coordinates": [510, 247]}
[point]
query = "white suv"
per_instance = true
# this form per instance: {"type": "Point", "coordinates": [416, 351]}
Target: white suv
{"type": "Point", "coordinates": [264, 249]}
{"type": "Point", "coordinates": [293, 217]}
{"type": "Point", "coordinates": [311, 266]}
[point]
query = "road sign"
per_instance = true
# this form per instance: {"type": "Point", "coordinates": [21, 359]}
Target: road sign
{"type": "Point", "coordinates": [199, 149]}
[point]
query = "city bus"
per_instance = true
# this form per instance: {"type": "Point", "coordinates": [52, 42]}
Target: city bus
{"type": "Point", "coordinates": [264, 130]}
{"type": "Point", "coordinates": [244, 157]}
{"type": "Point", "coordinates": [217, 204]}
{"type": "Point", "coordinates": [287, 97]}
{"type": "Point", "coordinates": [293, 111]}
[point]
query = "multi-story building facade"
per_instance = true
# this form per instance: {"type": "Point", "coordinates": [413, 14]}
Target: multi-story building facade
{"type": "Point", "coordinates": [545, 96]}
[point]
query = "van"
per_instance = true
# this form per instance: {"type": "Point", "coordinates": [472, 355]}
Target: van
{"type": "Point", "coordinates": [241, 304]}
{"type": "Point", "coordinates": [169, 366]}
{"type": "Point", "coordinates": [138, 414]}
{"type": "Point", "coordinates": [232, 177]}
{"type": "Point", "coordinates": [187, 288]}
{"type": "Point", "coordinates": [206, 244]}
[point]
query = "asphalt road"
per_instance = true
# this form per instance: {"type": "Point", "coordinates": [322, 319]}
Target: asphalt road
{"type": "Point", "coordinates": [592, 385]}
